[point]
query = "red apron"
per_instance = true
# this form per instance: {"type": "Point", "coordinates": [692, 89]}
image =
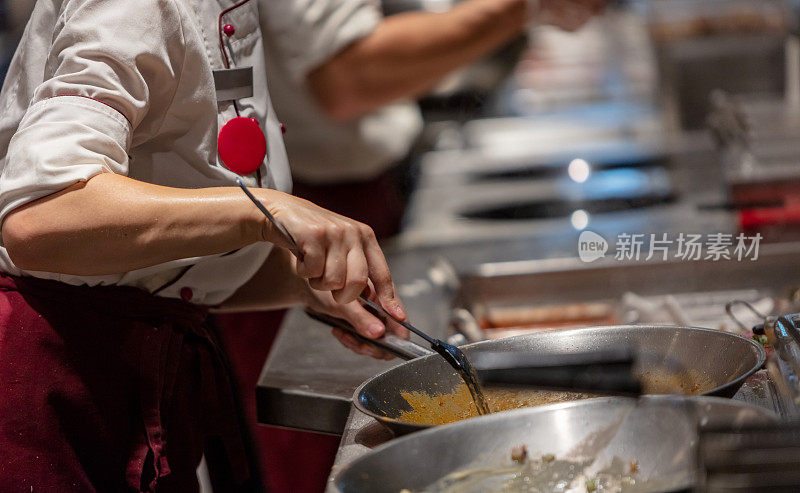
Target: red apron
{"type": "Point", "coordinates": [111, 389]}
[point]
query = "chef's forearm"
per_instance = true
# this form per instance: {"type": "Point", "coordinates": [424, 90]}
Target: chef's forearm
{"type": "Point", "coordinates": [113, 224]}
{"type": "Point", "coordinates": [273, 287]}
{"type": "Point", "coordinates": [408, 53]}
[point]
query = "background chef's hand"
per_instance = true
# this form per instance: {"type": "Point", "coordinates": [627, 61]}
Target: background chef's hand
{"type": "Point", "coordinates": [569, 15]}
{"type": "Point", "coordinates": [362, 320]}
{"type": "Point", "coordinates": [340, 255]}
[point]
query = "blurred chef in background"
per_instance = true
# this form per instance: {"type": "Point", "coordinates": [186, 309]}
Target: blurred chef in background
{"type": "Point", "coordinates": [343, 78]}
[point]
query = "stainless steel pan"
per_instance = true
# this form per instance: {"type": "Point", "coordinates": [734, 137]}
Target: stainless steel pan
{"type": "Point", "coordinates": [658, 432]}
{"type": "Point", "coordinates": [721, 360]}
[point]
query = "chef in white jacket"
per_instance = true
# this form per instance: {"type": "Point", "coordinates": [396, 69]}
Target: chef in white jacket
{"type": "Point", "coordinates": [123, 127]}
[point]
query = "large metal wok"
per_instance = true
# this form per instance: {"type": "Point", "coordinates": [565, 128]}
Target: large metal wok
{"type": "Point", "coordinates": [658, 432]}
{"type": "Point", "coordinates": [720, 360]}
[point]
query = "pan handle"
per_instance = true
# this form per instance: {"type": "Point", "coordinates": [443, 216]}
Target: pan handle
{"type": "Point", "coordinates": [402, 348]}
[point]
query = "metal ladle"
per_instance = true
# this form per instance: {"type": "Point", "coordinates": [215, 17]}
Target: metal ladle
{"type": "Point", "coordinates": [452, 354]}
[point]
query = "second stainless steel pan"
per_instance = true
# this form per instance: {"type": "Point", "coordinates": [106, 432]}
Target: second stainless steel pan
{"type": "Point", "coordinates": [651, 441]}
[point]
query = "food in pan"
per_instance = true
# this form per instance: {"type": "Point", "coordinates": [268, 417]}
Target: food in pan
{"type": "Point", "coordinates": [544, 473]}
{"type": "Point", "coordinates": [687, 382]}
{"type": "Point", "coordinates": [448, 407]}
{"type": "Point", "coordinates": [427, 409]}
{"type": "Point", "coordinates": [519, 454]}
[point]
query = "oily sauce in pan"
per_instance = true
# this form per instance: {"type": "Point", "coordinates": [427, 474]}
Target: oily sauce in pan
{"type": "Point", "coordinates": [439, 409]}
{"type": "Point", "coordinates": [427, 409]}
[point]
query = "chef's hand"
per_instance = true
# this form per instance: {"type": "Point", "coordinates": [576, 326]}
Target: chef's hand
{"type": "Point", "coordinates": [569, 15]}
{"type": "Point", "coordinates": [362, 320]}
{"type": "Point", "coordinates": [339, 255]}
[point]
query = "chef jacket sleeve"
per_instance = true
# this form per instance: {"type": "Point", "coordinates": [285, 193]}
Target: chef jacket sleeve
{"type": "Point", "coordinates": [112, 69]}
{"type": "Point", "coordinates": [309, 32]}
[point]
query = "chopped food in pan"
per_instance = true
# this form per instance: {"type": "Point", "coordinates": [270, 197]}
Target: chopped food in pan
{"type": "Point", "coordinates": [519, 454]}
{"type": "Point", "coordinates": [547, 474]}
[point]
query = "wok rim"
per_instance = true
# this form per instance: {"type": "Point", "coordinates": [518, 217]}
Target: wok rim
{"type": "Point", "coordinates": [760, 352]}
{"type": "Point", "coordinates": [594, 401]}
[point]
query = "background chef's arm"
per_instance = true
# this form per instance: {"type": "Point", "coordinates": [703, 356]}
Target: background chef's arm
{"type": "Point", "coordinates": [408, 53]}
{"type": "Point", "coordinates": [111, 224]}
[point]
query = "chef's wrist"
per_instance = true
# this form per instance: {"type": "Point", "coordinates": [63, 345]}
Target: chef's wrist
{"type": "Point", "coordinates": [256, 227]}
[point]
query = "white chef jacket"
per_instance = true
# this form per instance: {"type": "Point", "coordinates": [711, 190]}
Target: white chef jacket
{"type": "Point", "coordinates": [124, 86]}
{"type": "Point", "coordinates": [300, 35]}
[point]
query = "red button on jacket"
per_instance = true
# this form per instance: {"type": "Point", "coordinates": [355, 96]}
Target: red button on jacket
{"type": "Point", "coordinates": [186, 293]}
{"type": "Point", "coordinates": [242, 145]}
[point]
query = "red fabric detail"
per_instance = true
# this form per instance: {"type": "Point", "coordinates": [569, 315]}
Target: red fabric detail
{"type": "Point", "coordinates": [186, 293]}
{"type": "Point", "coordinates": [108, 389]}
{"type": "Point", "coordinates": [221, 42]}
{"type": "Point", "coordinates": [242, 145]}
{"type": "Point", "coordinates": [292, 461]}
{"type": "Point", "coordinates": [229, 30]}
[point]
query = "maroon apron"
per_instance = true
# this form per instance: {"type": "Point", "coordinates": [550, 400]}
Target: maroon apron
{"type": "Point", "coordinates": [110, 389]}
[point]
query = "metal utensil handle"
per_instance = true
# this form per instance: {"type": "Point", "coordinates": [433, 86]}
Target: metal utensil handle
{"type": "Point", "coordinates": [287, 237]}
{"type": "Point", "coordinates": [378, 308]}
{"type": "Point", "coordinates": [402, 348]}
